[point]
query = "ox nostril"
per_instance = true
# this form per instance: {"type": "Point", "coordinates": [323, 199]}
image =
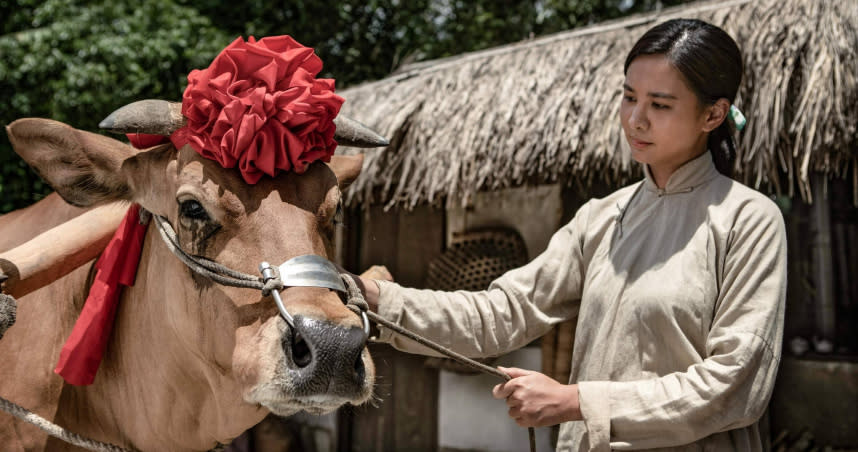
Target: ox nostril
{"type": "Point", "coordinates": [360, 370]}
{"type": "Point", "coordinates": [301, 355]}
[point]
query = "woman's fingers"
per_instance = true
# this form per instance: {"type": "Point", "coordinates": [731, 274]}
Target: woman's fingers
{"type": "Point", "coordinates": [503, 390]}
{"type": "Point", "coordinates": [515, 372]}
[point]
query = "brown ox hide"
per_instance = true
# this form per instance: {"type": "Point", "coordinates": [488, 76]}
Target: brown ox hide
{"type": "Point", "coordinates": [190, 363]}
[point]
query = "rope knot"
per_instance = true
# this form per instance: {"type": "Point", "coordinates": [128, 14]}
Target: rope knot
{"type": "Point", "coordinates": [355, 300]}
{"type": "Point", "coordinates": [272, 284]}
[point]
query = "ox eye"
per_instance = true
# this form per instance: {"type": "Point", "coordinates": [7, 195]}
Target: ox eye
{"type": "Point", "coordinates": [193, 210]}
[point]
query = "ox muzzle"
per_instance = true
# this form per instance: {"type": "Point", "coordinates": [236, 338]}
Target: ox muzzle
{"type": "Point", "coordinates": [338, 368]}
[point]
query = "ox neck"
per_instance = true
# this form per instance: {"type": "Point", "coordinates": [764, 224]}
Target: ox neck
{"type": "Point", "coordinates": [158, 371]}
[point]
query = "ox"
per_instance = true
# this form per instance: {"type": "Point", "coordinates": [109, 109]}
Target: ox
{"type": "Point", "coordinates": [190, 363]}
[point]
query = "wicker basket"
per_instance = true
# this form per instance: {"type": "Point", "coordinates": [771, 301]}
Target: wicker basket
{"type": "Point", "coordinates": [473, 260]}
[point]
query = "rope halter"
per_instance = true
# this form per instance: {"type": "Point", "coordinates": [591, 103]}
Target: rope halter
{"type": "Point", "coordinates": [302, 271]}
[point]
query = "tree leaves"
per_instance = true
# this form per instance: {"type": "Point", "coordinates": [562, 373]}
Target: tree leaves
{"type": "Point", "coordinates": [78, 61]}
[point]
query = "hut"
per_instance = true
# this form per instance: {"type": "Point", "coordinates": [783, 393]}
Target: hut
{"type": "Point", "coordinates": [513, 139]}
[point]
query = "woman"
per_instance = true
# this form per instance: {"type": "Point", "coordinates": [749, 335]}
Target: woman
{"type": "Point", "coordinates": [678, 281]}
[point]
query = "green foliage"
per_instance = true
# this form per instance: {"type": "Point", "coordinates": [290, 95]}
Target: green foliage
{"type": "Point", "coordinates": [565, 14]}
{"type": "Point", "coordinates": [367, 39]}
{"type": "Point", "coordinates": [76, 61]}
{"type": "Point", "coordinates": [357, 39]}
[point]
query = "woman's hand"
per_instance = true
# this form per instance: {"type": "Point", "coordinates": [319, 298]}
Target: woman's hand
{"type": "Point", "coordinates": [366, 283]}
{"type": "Point", "coordinates": [536, 400]}
{"type": "Point", "coordinates": [370, 292]}
{"type": "Point", "coordinates": [369, 286]}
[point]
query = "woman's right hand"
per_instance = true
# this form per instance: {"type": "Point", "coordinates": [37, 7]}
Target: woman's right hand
{"type": "Point", "coordinates": [369, 286]}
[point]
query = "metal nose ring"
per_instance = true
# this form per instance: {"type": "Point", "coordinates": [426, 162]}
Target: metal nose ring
{"type": "Point", "coordinates": [267, 275]}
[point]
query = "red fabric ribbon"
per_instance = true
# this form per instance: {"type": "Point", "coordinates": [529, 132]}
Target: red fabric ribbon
{"type": "Point", "coordinates": [145, 140]}
{"type": "Point", "coordinates": [81, 354]}
{"type": "Point", "coordinates": [83, 350]}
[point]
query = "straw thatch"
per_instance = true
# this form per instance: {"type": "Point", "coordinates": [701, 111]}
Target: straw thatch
{"type": "Point", "coordinates": [546, 110]}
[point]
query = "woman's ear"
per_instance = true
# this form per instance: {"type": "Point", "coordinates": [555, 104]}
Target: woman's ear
{"type": "Point", "coordinates": [716, 114]}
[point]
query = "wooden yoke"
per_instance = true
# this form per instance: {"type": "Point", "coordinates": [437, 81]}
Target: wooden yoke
{"type": "Point", "coordinates": [57, 251]}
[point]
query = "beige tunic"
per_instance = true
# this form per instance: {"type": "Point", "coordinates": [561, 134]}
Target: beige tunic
{"type": "Point", "coordinates": [680, 297]}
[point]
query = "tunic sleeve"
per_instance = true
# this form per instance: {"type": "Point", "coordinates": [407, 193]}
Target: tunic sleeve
{"type": "Point", "coordinates": [517, 308]}
{"type": "Point", "coordinates": [731, 386]}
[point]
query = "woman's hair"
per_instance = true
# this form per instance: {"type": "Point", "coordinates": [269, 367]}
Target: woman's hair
{"type": "Point", "coordinates": [710, 61]}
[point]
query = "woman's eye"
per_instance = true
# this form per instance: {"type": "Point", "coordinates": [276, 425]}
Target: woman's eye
{"type": "Point", "coordinates": [193, 209]}
{"type": "Point", "coordinates": [628, 98]}
{"type": "Point", "coordinates": [658, 106]}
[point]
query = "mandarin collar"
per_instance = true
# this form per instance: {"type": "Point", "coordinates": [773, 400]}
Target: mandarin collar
{"type": "Point", "coordinates": [686, 178]}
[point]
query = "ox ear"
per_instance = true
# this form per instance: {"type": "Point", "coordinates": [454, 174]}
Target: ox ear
{"type": "Point", "coordinates": [83, 167]}
{"type": "Point", "coordinates": [347, 168]}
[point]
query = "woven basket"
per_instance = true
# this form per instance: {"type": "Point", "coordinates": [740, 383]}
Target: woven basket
{"type": "Point", "coordinates": [476, 258]}
{"type": "Point", "coordinates": [473, 260]}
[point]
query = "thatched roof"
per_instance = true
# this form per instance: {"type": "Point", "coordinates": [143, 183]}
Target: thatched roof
{"type": "Point", "coordinates": [546, 110]}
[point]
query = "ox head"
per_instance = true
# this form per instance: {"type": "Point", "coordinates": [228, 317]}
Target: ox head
{"type": "Point", "coordinates": [233, 333]}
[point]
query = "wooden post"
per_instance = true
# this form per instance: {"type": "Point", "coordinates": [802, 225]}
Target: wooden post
{"type": "Point", "coordinates": [822, 260]}
{"type": "Point", "coordinates": [405, 415]}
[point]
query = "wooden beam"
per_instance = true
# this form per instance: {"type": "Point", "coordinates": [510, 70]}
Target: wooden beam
{"type": "Point", "coordinates": [59, 250]}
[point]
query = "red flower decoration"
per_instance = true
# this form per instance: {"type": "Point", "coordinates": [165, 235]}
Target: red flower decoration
{"type": "Point", "coordinates": [258, 106]}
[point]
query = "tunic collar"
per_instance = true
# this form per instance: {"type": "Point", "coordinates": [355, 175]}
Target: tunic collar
{"type": "Point", "coordinates": [686, 178]}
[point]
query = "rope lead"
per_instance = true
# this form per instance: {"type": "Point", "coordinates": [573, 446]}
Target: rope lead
{"type": "Point", "coordinates": [358, 305]}
{"type": "Point", "coordinates": [57, 431]}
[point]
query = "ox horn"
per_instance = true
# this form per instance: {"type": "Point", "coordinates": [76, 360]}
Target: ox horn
{"type": "Point", "coordinates": [353, 133]}
{"type": "Point", "coordinates": [160, 117]}
{"type": "Point", "coordinates": [156, 117]}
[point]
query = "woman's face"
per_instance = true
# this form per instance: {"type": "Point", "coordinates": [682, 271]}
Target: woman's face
{"type": "Point", "coordinates": [663, 120]}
